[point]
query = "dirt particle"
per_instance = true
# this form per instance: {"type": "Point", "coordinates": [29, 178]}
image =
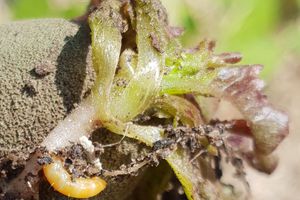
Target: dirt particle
{"type": "Point", "coordinates": [76, 161]}
{"type": "Point", "coordinates": [156, 43]}
{"type": "Point", "coordinates": [160, 144]}
{"type": "Point", "coordinates": [29, 89]}
{"type": "Point", "coordinates": [44, 160]}
{"type": "Point", "coordinates": [10, 167]}
{"type": "Point", "coordinates": [43, 69]}
{"type": "Point", "coordinates": [121, 83]}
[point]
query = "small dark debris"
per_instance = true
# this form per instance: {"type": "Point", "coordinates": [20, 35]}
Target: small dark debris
{"type": "Point", "coordinates": [68, 161]}
{"type": "Point", "coordinates": [121, 83]}
{"type": "Point", "coordinates": [142, 118]}
{"type": "Point", "coordinates": [29, 90]}
{"type": "Point", "coordinates": [156, 43]}
{"type": "Point", "coordinates": [76, 161]}
{"type": "Point", "coordinates": [87, 93]}
{"type": "Point", "coordinates": [218, 170]}
{"type": "Point", "coordinates": [10, 168]}
{"type": "Point", "coordinates": [76, 151]}
{"type": "Point", "coordinates": [161, 144]}
{"type": "Point", "coordinates": [44, 160]}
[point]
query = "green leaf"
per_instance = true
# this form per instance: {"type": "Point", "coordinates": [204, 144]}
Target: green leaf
{"type": "Point", "coordinates": [181, 108]}
{"type": "Point", "coordinates": [144, 85]}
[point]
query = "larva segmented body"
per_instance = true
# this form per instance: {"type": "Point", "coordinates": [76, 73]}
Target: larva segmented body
{"type": "Point", "coordinates": [61, 181]}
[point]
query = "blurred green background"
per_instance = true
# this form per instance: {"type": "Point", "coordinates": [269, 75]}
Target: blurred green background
{"type": "Point", "coordinates": [264, 31]}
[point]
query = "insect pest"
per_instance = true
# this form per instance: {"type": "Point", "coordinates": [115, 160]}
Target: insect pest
{"type": "Point", "coordinates": [62, 182]}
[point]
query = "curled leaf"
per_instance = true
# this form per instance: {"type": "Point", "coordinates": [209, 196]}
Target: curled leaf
{"type": "Point", "coordinates": [181, 108]}
{"type": "Point", "coordinates": [238, 84]}
{"type": "Point", "coordinates": [242, 86]}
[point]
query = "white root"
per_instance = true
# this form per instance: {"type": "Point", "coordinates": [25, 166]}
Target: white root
{"type": "Point", "coordinates": [90, 151]}
{"type": "Point", "coordinates": [81, 122]}
{"type": "Point", "coordinates": [87, 144]}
